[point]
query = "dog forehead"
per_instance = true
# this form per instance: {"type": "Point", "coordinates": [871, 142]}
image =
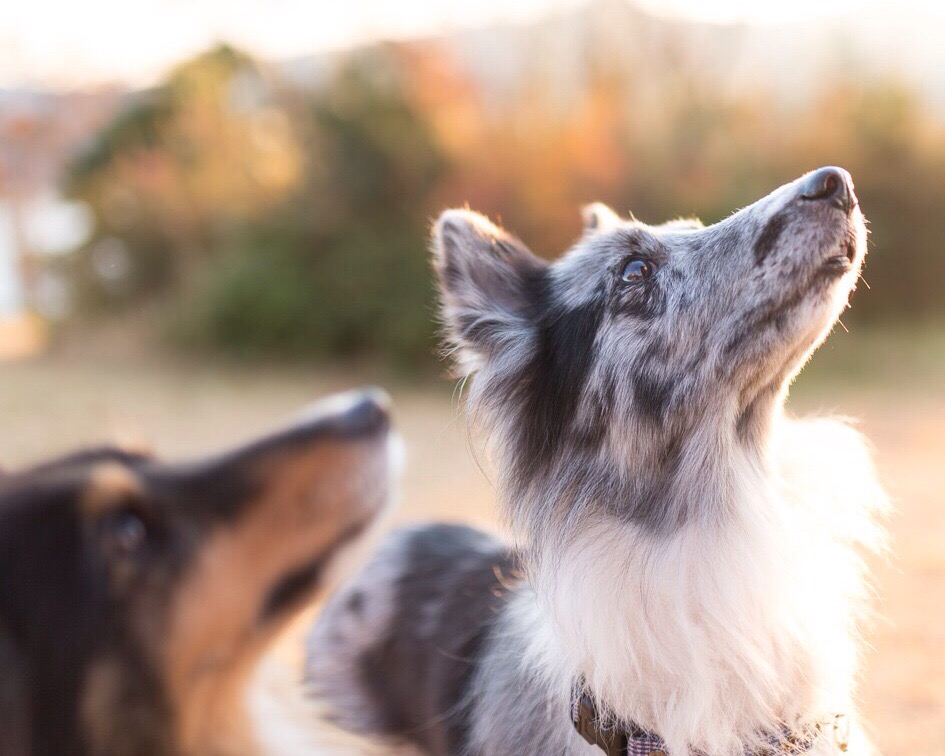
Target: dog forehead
{"type": "Point", "coordinates": [577, 276]}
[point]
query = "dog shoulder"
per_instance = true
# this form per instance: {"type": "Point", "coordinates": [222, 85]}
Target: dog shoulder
{"type": "Point", "coordinates": [393, 651]}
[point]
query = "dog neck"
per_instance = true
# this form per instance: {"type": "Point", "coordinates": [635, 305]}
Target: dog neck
{"type": "Point", "coordinates": [739, 621]}
{"type": "Point", "coordinates": [216, 719]}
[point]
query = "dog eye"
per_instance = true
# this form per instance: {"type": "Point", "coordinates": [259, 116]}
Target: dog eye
{"type": "Point", "coordinates": [637, 270]}
{"type": "Point", "coordinates": [125, 531]}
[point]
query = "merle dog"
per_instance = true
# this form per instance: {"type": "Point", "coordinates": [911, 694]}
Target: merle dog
{"type": "Point", "coordinates": [688, 574]}
{"type": "Point", "coordinates": [136, 597]}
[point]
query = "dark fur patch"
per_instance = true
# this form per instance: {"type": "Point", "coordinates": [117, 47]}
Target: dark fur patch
{"type": "Point", "coordinates": [652, 396]}
{"type": "Point", "coordinates": [749, 419]}
{"type": "Point", "coordinates": [652, 507]}
{"type": "Point", "coordinates": [770, 235]}
{"type": "Point", "coordinates": [14, 703]}
{"type": "Point", "coordinates": [447, 600]}
{"type": "Point", "coordinates": [291, 589]}
{"type": "Point", "coordinates": [355, 603]}
{"type": "Point", "coordinates": [600, 404]}
{"type": "Point", "coordinates": [551, 385]}
{"type": "Point", "coordinates": [745, 420]}
{"type": "Point", "coordinates": [60, 614]}
{"type": "Point", "coordinates": [299, 583]}
{"type": "Point", "coordinates": [49, 610]}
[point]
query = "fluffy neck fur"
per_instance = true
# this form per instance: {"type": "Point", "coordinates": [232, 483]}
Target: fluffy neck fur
{"type": "Point", "coordinates": [741, 621]}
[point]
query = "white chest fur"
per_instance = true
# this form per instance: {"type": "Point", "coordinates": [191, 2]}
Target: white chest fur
{"type": "Point", "coordinates": [734, 625]}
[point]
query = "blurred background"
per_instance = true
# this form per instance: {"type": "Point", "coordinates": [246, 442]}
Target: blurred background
{"type": "Point", "coordinates": [212, 212]}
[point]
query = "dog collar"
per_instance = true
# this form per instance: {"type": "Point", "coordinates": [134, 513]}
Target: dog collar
{"type": "Point", "coordinates": [634, 741]}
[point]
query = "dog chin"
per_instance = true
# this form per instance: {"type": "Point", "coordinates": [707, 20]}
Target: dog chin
{"type": "Point", "coordinates": [788, 351]}
{"type": "Point", "coordinates": [348, 557]}
{"type": "Point", "coordinates": [847, 255]}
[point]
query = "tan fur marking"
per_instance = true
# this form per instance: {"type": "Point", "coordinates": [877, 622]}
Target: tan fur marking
{"type": "Point", "coordinates": [214, 639]}
{"type": "Point", "coordinates": [109, 483]}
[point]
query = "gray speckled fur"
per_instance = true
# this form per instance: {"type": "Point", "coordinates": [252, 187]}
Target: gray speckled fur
{"type": "Point", "coordinates": [605, 402]}
{"type": "Point", "coordinates": [515, 711]}
{"type": "Point", "coordinates": [359, 615]}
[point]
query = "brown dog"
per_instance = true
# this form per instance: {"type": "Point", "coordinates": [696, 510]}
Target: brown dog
{"type": "Point", "coordinates": [136, 597]}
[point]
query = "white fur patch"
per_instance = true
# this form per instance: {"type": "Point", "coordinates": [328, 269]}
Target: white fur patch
{"type": "Point", "coordinates": [725, 629]}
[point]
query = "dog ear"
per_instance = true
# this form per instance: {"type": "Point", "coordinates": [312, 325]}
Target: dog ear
{"type": "Point", "coordinates": [487, 279]}
{"type": "Point", "coordinates": [598, 217]}
{"type": "Point", "coordinates": [14, 707]}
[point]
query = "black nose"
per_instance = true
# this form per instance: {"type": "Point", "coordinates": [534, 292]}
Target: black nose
{"type": "Point", "coordinates": [369, 413]}
{"type": "Point", "coordinates": [832, 185]}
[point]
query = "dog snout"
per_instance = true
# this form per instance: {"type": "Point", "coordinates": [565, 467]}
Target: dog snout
{"type": "Point", "coordinates": [832, 185]}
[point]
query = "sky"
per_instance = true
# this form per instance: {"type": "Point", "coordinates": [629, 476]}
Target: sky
{"type": "Point", "coordinates": [62, 44]}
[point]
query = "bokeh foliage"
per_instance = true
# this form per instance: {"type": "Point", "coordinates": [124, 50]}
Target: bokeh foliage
{"type": "Point", "coordinates": [284, 217]}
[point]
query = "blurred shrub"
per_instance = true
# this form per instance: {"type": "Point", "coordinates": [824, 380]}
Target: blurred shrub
{"type": "Point", "coordinates": [325, 257]}
{"type": "Point", "coordinates": [203, 152]}
{"type": "Point", "coordinates": [366, 293]}
{"type": "Point", "coordinates": [277, 218]}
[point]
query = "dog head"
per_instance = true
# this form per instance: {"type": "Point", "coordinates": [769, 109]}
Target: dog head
{"type": "Point", "coordinates": [135, 596]}
{"type": "Point", "coordinates": [598, 370]}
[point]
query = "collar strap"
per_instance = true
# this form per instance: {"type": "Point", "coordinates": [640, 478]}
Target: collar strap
{"type": "Point", "coordinates": [612, 741]}
{"type": "Point", "coordinates": [634, 741]}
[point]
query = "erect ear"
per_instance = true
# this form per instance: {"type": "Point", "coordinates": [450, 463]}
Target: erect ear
{"type": "Point", "coordinates": [488, 283]}
{"type": "Point", "coordinates": [14, 701]}
{"type": "Point", "coordinates": [598, 217]}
